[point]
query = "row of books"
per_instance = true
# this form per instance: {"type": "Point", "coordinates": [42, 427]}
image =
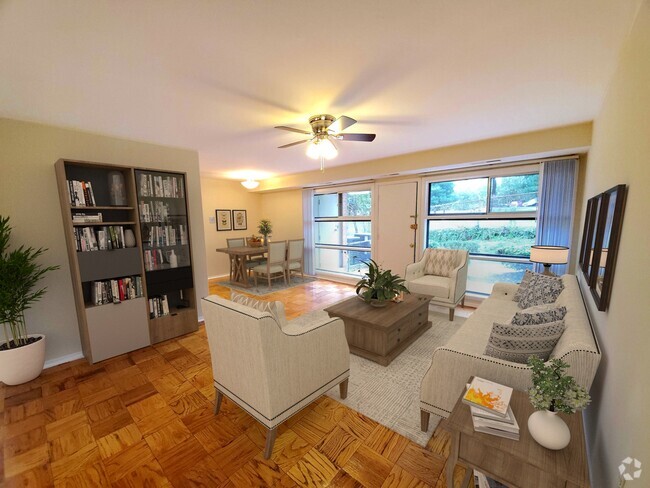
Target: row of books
{"type": "Point", "coordinates": [164, 235]}
{"type": "Point", "coordinates": [155, 211]}
{"type": "Point", "coordinates": [158, 306]}
{"type": "Point", "coordinates": [116, 291]}
{"type": "Point", "coordinates": [161, 186]}
{"type": "Point", "coordinates": [81, 193]}
{"type": "Point", "coordinates": [87, 218]}
{"type": "Point", "coordinates": [490, 407]}
{"type": "Point", "coordinates": [99, 238]}
{"type": "Point", "coordinates": [153, 259]}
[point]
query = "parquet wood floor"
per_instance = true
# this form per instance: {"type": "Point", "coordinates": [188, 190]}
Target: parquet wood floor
{"type": "Point", "coordinates": [145, 419]}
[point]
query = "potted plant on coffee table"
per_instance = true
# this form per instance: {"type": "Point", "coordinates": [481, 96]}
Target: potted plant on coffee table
{"type": "Point", "coordinates": [553, 391]}
{"type": "Point", "coordinates": [378, 286]}
{"type": "Point", "coordinates": [22, 355]}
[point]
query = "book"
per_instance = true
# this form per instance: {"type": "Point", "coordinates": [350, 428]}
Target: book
{"type": "Point", "coordinates": [506, 427]}
{"type": "Point", "coordinates": [488, 395]}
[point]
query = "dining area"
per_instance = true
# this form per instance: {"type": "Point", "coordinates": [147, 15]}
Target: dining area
{"type": "Point", "coordinates": [253, 261]}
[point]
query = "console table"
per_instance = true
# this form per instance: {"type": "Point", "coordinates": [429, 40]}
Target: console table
{"type": "Point", "coordinates": [517, 464]}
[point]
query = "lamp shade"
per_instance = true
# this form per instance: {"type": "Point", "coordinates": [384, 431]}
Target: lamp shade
{"type": "Point", "coordinates": [250, 184]}
{"type": "Point", "coordinates": [321, 148]}
{"type": "Point", "coordinates": [549, 254]}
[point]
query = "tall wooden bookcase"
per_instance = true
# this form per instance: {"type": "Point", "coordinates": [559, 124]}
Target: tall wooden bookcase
{"type": "Point", "coordinates": [111, 329]}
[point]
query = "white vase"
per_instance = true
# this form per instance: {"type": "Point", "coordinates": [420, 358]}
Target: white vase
{"type": "Point", "coordinates": [129, 238]}
{"type": "Point", "coordinates": [549, 430]}
{"type": "Point", "coordinates": [22, 364]}
{"type": "Point", "coordinates": [173, 259]}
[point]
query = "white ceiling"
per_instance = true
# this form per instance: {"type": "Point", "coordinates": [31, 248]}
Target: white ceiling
{"type": "Point", "coordinates": [216, 76]}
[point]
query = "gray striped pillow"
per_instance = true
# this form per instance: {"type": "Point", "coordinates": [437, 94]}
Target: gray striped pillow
{"type": "Point", "coordinates": [516, 343]}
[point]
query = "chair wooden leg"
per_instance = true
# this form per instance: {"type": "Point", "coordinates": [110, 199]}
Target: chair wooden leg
{"type": "Point", "coordinates": [217, 401]}
{"type": "Point", "coordinates": [268, 277]}
{"type": "Point", "coordinates": [424, 420]}
{"type": "Point", "coordinates": [451, 314]}
{"type": "Point", "coordinates": [255, 278]}
{"type": "Point", "coordinates": [270, 440]}
{"type": "Point", "coordinates": [343, 388]}
{"type": "Point", "coordinates": [462, 302]}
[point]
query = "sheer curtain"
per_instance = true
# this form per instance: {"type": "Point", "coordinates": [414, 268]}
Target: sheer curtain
{"type": "Point", "coordinates": [556, 204]}
{"type": "Point", "coordinates": [308, 230]}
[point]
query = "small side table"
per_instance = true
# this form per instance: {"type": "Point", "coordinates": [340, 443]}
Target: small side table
{"type": "Point", "coordinates": [517, 464]}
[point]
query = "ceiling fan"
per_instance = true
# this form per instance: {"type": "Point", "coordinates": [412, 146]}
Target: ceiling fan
{"type": "Point", "coordinates": [324, 129]}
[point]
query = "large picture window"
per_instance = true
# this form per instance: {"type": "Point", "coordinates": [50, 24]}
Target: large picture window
{"type": "Point", "coordinates": [342, 231]}
{"type": "Point", "coordinates": [492, 217]}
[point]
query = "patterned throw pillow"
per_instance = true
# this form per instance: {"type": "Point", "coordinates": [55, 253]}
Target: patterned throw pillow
{"type": "Point", "coordinates": [440, 262]}
{"type": "Point", "coordinates": [276, 309]}
{"type": "Point", "coordinates": [541, 289]}
{"type": "Point", "coordinates": [516, 344]}
{"type": "Point", "coordinates": [541, 314]}
{"type": "Point", "coordinates": [525, 280]}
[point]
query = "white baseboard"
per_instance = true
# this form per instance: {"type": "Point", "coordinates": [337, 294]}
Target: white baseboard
{"type": "Point", "coordinates": [218, 276]}
{"type": "Point", "coordinates": [63, 359]}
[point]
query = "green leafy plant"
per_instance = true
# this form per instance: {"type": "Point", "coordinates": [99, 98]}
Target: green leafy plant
{"type": "Point", "coordinates": [553, 389]}
{"type": "Point", "coordinates": [265, 227]}
{"type": "Point", "coordinates": [19, 274]}
{"type": "Point", "coordinates": [380, 285]}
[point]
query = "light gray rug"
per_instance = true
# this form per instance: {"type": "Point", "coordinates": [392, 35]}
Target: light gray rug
{"type": "Point", "coordinates": [263, 287]}
{"type": "Point", "coordinates": [390, 394]}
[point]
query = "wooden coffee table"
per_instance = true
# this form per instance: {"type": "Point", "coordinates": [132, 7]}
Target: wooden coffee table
{"type": "Point", "coordinates": [517, 464]}
{"type": "Point", "coordinates": [381, 334]}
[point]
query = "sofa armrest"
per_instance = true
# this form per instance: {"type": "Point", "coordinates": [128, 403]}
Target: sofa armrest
{"type": "Point", "coordinates": [414, 271]}
{"type": "Point", "coordinates": [505, 291]}
{"type": "Point", "coordinates": [458, 282]}
{"type": "Point", "coordinates": [307, 323]}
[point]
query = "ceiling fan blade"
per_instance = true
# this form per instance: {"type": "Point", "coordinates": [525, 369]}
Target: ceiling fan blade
{"type": "Point", "coordinates": [299, 131]}
{"type": "Point", "coordinates": [356, 137]}
{"type": "Point", "coordinates": [340, 124]}
{"type": "Point", "coordinates": [294, 144]}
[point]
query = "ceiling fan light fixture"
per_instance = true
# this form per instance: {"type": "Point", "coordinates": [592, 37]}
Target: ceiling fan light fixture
{"type": "Point", "coordinates": [321, 149]}
{"type": "Point", "coordinates": [250, 184]}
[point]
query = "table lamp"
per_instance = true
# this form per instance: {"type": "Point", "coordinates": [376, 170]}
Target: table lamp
{"type": "Point", "coordinates": [548, 255]}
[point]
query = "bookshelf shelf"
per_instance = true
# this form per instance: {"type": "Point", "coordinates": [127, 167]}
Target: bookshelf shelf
{"type": "Point", "coordinates": [107, 331]}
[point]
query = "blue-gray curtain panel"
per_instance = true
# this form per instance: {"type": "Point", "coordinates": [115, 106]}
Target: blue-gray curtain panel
{"type": "Point", "coordinates": [556, 206]}
{"type": "Point", "coordinates": [308, 230]}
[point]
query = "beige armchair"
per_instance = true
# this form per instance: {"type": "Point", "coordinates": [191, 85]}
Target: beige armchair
{"type": "Point", "coordinates": [440, 274]}
{"type": "Point", "coordinates": [270, 368]}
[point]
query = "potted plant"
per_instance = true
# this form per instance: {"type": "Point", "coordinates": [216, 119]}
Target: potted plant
{"type": "Point", "coordinates": [378, 286]}
{"type": "Point", "coordinates": [22, 355]}
{"type": "Point", "coordinates": [265, 229]}
{"type": "Point", "coordinates": [553, 391]}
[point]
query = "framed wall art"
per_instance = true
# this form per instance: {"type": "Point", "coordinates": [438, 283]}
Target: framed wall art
{"type": "Point", "coordinates": [224, 219]}
{"type": "Point", "coordinates": [239, 220]}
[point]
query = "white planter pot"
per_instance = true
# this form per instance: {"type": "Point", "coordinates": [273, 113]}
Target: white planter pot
{"type": "Point", "coordinates": [549, 430]}
{"type": "Point", "coordinates": [22, 364]}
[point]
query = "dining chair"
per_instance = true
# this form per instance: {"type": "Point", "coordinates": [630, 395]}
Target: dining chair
{"type": "Point", "coordinates": [255, 259]}
{"type": "Point", "coordinates": [295, 258]}
{"type": "Point", "coordinates": [275, 266]}
{"type": "Point", "coordinates": [235, 242]}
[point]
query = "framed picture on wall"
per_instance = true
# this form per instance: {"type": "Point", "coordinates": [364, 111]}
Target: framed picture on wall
{"type": "Point", "coordinates": [239, 220]}
{"type": "Point", "coordinates": [224, 219]}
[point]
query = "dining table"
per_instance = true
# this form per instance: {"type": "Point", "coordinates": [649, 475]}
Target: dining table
{"type": "Point", "coordinates": [239, 256]}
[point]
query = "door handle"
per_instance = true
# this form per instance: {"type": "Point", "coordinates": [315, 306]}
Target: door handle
{"type": "Point", "coordinates": [411, 245]}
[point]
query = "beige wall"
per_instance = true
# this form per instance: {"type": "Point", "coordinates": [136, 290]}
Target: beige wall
{"type": "Point", "coordinates": [618, 422]}
{"type": "Point", "coordinates": [225, 194]}
{"type": "Point", "coordinates": [284, 210]}
{"type": "Point", "coordinates": [29, 195]}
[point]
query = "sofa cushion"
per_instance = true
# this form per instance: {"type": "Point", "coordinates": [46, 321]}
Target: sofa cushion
{"type": "Point", "coordinates": [276, 309]}
{"type": "Point", "coordinates": [437, 286]}
{"type": "Point", "coordinates": [541, 289]}
{"type": "Point", "coordinates": [540, 314]}
{"type": "Point", "coordinates": [516, 343]}
{"type": "Point", "coordinates": [525, 280]}
{"type": "Point", "coordinates": [440, 262]}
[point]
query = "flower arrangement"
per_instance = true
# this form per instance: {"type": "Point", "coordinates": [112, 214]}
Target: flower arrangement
{"type": "Point", "coordinates": [554, 390]}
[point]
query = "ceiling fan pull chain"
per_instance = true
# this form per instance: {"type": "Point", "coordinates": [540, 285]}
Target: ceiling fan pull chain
{"type": "Point", "coordinates": [322, 163]}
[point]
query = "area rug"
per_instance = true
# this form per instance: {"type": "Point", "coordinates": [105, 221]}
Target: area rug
{"type": "Point", "coordinates": [390, 394]}
{"type": "Point", "coordinates": [263, 287]}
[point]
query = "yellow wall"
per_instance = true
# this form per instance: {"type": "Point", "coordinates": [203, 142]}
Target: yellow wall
{"type": "Point", "coordinates": [618, 422]}
{"type": "Point", "coordinates": [284, 210]}
{"type": "Point", "coordinates": [556, 141]}
{"type": "Point", "coordinates": [226, 194]}
{"type": "Point", "coordinates": [29, 195]}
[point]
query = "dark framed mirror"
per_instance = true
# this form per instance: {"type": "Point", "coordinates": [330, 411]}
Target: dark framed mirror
{"type": "Point", "coordinates": [588, 232]}
{"type": "Point", "coordinates": [606, 240]}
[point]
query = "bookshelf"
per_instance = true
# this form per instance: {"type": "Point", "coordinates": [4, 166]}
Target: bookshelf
{"type": "Point", "coordinates": [112, 287]}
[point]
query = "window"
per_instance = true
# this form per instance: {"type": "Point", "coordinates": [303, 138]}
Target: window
{"type": "Point", "coordinates": [494, 218]}
{"type": "Point", "coordinates": [342, 231]}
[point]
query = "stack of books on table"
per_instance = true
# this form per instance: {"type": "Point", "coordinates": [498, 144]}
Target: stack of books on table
{"type": "Point", "coordinates": [490, 407]}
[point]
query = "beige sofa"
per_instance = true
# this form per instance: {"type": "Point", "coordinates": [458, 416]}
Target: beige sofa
{"type": "Point", "coordinates": [462, 357]}
{"type": "Point", "coordinates": [272, 368]}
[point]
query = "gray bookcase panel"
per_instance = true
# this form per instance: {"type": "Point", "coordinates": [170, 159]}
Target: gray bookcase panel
{"type": "Point", "coordinates": [118, 328]}
{"type": "Point", "coordinates": [104, 265]}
